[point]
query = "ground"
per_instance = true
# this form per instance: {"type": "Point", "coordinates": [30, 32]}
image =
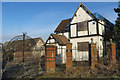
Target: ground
{"type": "Point", "coordinates": [104, 69]}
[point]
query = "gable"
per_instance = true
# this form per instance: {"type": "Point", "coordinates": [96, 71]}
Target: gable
{"type": "Point", "coordinates": [60, 39]}
{"type": "Point", "coordinates": [82, 14]}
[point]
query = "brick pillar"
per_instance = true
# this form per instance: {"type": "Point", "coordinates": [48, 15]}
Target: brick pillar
{"type": "Point", "coordinates": [93, 54]}
{"type": "Point", "coordinates": [50, 54]}
{"type": "Point", "coordinates": [69, 55]}
{"type": "Point", "coordinates": [113, 47]}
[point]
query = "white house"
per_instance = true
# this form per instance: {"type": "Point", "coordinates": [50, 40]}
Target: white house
{"type": "Point", "coordinates": [79, 30]}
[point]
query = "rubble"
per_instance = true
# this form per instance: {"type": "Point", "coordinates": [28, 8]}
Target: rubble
{"type": "Point", "coordinates": [104, 69]}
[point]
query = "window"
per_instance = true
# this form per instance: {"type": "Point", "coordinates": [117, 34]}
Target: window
{"type": "Point", "coordinates": [83, 46]}
{"type": "Point", "coordinates": [93, 22]}
{"type": "Point", "coordinates": [82, 26]}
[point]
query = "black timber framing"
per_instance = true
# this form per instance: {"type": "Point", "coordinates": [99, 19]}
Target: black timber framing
{"type": "Point", "coordinates": [103, 25]}
{"type": "Point", "coordinates": [60, 32]}
{"type": "Point", "coordinates": [97, 27]}
{"type": "Point", "coordinates": [92, 20]}
{"type": "Point", "coordinates": [49, 39]}
{"type": "Point", "coordinates": [77, 29]}
{"type": "Point", "coordinates": [87, 36]}
{"type": "Point", "coordinates": [105, 29]}
{"type": "Point", "coordinates": [88, 28]}
{"type": "Point", "coordinates": [50, 42]}
{"type": "Point", "coordinates": [70, 29]}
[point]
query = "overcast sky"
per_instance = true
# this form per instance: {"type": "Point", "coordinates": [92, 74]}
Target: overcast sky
{"type": "Point", "coordinates": [39, 19]}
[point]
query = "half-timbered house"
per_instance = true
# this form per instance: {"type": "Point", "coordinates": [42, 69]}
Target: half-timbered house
{"type": "Point", "coordinates": [79, 30]}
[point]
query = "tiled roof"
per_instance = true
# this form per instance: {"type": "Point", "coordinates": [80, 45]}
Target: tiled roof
{"type": "Point", "coordinates": [107, 22]}
{"type": "Point", "coordinates": [61, 39]}
{"type": "Point", "coordinates": [63, 26]}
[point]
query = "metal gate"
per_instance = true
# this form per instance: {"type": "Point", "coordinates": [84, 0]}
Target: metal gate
{"type": "Point", "coordinates": [21, 57]}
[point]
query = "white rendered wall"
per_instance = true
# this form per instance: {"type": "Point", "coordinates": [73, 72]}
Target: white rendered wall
{"type": "Point", "coordinates": [81, 15]}
{"type": "Point", "coordinates": [92, 27]}
{"type": "Point", "coordinates": [66, 34]}
{"type": "Point", "coordinates": [100, 46]}
{"type": "Point", "coordinates": [101, 28]}
{"type": "Point", "coordinates": [59, 33]}
{"type": "Point", "coordinates": [82, 33]}
{"type": "Point", "coordinates": [61, 52]}
{"type": "Point", "coordinates": [77, 55]}
{"type": "Point", "coordinates": [73, 30]}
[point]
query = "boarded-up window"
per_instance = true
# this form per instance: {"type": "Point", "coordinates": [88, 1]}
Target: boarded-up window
{"type": "Point", "coordinates": [83, 46]}
{"type": "Point", "coordinates": [82, 26]}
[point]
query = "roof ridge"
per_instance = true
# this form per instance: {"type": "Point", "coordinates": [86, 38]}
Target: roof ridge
{"type": "Point", "coordinates": [66, 19]}
{"type": "Point", "coordinates": [104, 18]}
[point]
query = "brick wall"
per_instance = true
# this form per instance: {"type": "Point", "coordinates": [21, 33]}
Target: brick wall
{"type": "Point", "coordinates": [113, 47]}
{"type": "Point", "coordinates": [50, 55]}
{"type": "Point", "coordinates": [93, 55]}
{"type": "Point", "coordinates": [69, 55]}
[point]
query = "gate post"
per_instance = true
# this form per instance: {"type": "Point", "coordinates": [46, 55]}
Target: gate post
{"type": "Point", "coordinates": [69, 55]}
{"type": "Point", "coordinates": [50, 54]}
{"type": "Point", "coordinates": [112, 52]}
{"type": "Point", "coordinates": [113, 47]}
{"type": "Point", "coordinates": [93, 54]}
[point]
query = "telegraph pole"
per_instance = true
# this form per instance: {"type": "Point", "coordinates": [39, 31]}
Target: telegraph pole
{"type": "Point", "coordinates": [24, 34]}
